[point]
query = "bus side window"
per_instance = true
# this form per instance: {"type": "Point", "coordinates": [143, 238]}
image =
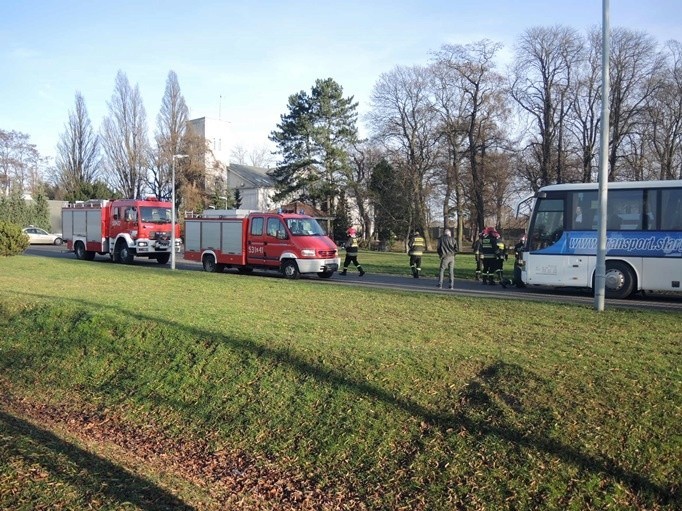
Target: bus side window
{"type": "Point", "coordinates": [671, 210]}
{"type": "Point", "coordinates": [613, 222]}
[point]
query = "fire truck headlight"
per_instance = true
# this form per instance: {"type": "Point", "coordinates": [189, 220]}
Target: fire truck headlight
{"type": "Point", "coordinates": [142, 244]}
{"type": "Point", "coordinates": [308, 252]}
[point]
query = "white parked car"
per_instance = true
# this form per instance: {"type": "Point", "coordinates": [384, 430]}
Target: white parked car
{"type": "Point", "coordinates": [38, 236]}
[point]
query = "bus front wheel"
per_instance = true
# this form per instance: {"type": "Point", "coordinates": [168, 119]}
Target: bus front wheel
{"type": "Point", "coordinates": [620, 280]}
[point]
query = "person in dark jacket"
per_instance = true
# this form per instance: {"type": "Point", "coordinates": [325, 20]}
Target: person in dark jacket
{"type": "Point", "coordinates": [447, 248]}
{"type": "Point", "coordinates": [351, 247]}
{"type": "Point", "coordinates": [416, 247]}
{"type": "Point", "coordinates": [489, 254]}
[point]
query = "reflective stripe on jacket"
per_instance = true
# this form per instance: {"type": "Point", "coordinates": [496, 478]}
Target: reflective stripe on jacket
{"type": "Point", "coordinates": [351, 245]}
{"type": "Point", "coordinates": [417, 246]}
{"type": "Point", "coordinates": [488, 247]}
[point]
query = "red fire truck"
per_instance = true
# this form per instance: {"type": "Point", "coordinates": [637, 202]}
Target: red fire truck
{"type": "Point", "coordinates": [290, 243]}
{"type": "Point", "coordinates": [123, 229]}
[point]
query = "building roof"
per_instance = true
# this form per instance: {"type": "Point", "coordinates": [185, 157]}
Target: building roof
{"type": "Point", "coordinates": [251, 177]}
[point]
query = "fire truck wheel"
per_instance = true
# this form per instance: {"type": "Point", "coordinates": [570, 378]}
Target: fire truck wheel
{"type": "Point", "coordinates": [125, 255]}
{"type": "Point", "coordinates": [290, 270]}
{"type": "Point", "coordinates": [79, 249]}
{"type": "Point", "coordinates": [209, 263]}
{"type": "Point", "coordinates": [163, 258]}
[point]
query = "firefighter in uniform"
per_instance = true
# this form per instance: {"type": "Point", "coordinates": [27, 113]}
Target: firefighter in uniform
{"type": "Point", "coordinates": [501, 258]}
{"type": "Point", "coordinates": [416, 247]}
{"type": "Point", "coordinates": [476, 247]}
{"type": "Point", "coordinates": [489, 251]}
{"type": "Point", "coordinates": [351, 247]}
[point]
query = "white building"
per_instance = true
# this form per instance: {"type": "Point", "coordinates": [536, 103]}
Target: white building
{"type": "Point", "coordinates": [256, 187]}
{"type": "Point", "coordinates": [216, 134]}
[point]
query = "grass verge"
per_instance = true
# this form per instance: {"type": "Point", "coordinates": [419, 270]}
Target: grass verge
{"type": "Point", "coordinates": [394, 263]}
{"type": "Point", "coordinates": [211, 391]}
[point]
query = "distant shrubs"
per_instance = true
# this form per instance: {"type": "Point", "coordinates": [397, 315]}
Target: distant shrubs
{"type": "Point", "coordinates": [12, 240]}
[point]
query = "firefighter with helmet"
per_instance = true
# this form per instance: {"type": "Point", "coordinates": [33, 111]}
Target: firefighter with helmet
{"type": "Point", "coordinates": [351, 246]}
{"type": "Point", "coordinates": [489, 254]}
{"type": "Point", "coordinates": [416, 247]}
{"type": "Point", "coordinates": [501, 258]}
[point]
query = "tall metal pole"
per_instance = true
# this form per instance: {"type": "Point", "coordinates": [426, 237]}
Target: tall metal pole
{"type": "Point", "coordinates": [600, 270]}
{"type": "Point", "coordinates": [175, 157]}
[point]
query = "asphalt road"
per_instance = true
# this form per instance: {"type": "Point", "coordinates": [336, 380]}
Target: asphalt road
{"type": "Point", "coordinates": [471, 288]}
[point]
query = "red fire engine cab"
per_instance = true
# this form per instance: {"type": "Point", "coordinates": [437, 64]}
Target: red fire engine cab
{"type": "Point", "coordinates": [123, 229]}
{"type": "Point", "coordinates": [290, 243]}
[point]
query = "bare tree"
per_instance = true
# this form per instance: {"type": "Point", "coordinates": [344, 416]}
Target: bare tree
{"type": "Point", "coordinates": [541, 86]}
{"type": "Point", "coordinates": [402, 116]}
{"type": "Point", "coordinates": [449, 104]}
{"type": "Point", "coordinates": [471, 121]}
{"type": "Point", "coordinates": [633, 65]}
{"type": "Point", "coordinates": [124, 139]}
{"type": "Point", "coordinates": [365, 156]}
{"type": "Point", "coordinates": [584, 119]}
{"type": "Point", "coordinates": [256, 157]}
{"type": "Point", "coordinates": [664, 116]}
{"type": "Point", "coordinates": [20, 164]}
{"type": "Point", "coordinates": [171, 129]}
{"type": "Point", "coordinates": [78, 155]}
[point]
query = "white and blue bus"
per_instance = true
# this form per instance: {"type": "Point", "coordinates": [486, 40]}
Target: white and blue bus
{"type": "Point", "coordinates": [644, 237]}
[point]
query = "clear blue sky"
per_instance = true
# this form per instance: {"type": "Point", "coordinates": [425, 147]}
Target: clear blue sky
{"type": "Point", "coordinates": [252, 54]}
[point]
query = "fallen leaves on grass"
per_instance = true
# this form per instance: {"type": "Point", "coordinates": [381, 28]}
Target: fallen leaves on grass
{"type": "Point", "coordinates": [233, 478]}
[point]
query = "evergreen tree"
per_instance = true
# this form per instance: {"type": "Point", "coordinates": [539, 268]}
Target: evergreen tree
{"type": "Point", "coordinates": [390, 200]}
{"type": "Point", "coordinates": [95, 190]}
{"type": "Point", "coordinates": [341, 218]}
{"type": "Point", "coordinates": [314, 139]}
{"type": "Point", "coordinates": [40, 213]}
{"type": "Point", "coordinates": [15, 210]}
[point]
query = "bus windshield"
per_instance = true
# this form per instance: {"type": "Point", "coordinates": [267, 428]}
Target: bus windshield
{"type": "Point", "coordinates": [548, 224]}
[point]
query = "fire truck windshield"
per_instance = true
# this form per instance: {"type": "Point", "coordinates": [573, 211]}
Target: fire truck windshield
{"type": "Point", "coordinates": [304, 227]}
{"type": "Point", "coordinates": [155, 215]}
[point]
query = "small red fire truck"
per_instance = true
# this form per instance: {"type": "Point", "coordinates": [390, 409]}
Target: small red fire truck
{"type": "Point", "coordinates": [123, 229]}
{"type": "Point", "coordinates": [290, 243]}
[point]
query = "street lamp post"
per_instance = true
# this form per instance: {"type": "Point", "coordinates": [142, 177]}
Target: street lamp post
{"type": "Point", "coordinates": [175, 157]}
